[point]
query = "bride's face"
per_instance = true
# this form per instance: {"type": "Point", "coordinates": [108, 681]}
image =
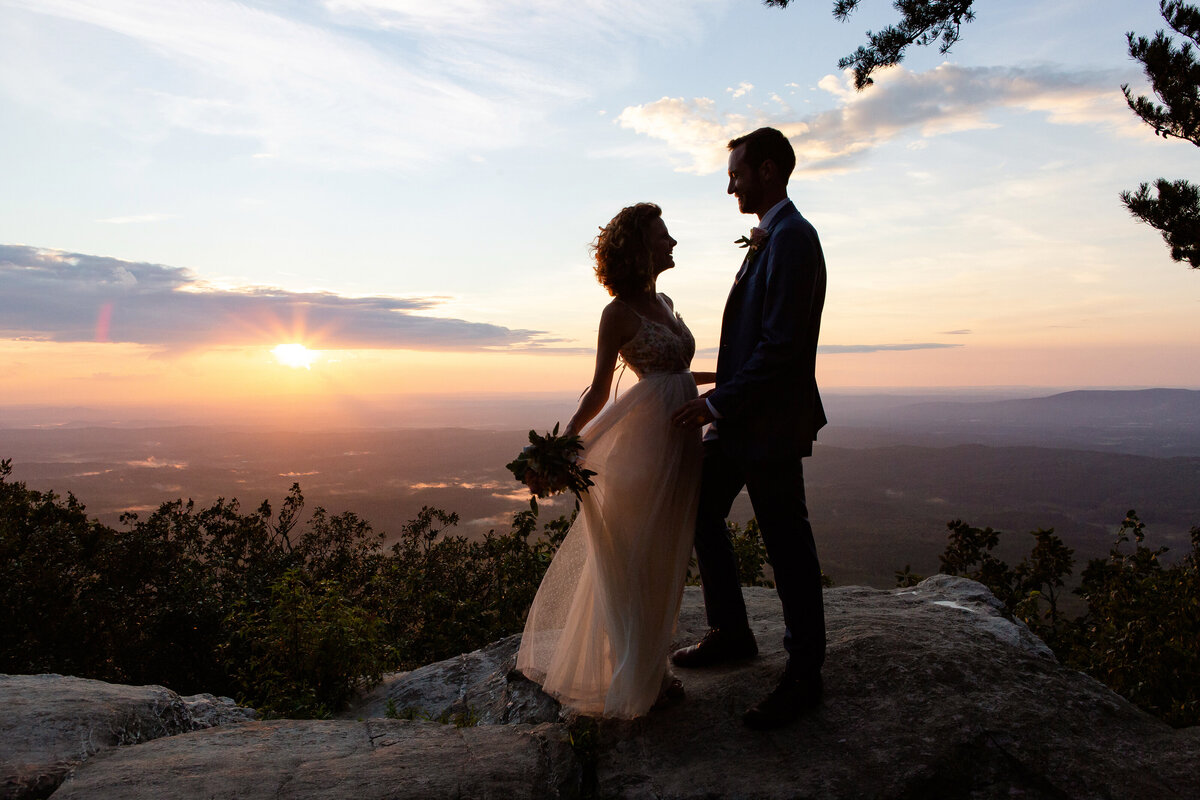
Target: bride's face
{"type": "Point", "coordinates": [661, 245]}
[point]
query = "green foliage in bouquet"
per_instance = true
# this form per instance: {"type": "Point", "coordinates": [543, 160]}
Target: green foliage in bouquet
{"type": "Point", "coordinates": [550, 464]}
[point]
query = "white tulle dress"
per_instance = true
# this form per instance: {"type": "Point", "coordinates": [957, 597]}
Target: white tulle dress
{"type": "Point", "coordinates": [600, 627]}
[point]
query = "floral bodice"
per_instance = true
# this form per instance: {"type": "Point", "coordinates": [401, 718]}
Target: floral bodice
{"type": "Point", "coordinates": [656, 347]}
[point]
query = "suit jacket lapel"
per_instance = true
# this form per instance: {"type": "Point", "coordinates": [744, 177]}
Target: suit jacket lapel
{"type": "Point", "coordinates": [748, 262]}
{"type": "Point", "coordinates": [742, 270]}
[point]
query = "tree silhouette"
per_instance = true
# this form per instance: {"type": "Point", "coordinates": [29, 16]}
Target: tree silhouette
{"type": "Point", "coordinates": [922, 22]}
{"type": "Point", "coordinates": [1170, 207]}
{"type": "Point", "coordinates": [1174, 75]}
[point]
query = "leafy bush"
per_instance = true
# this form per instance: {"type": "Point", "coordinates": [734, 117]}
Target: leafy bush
{"type": "Point", "coordinates": [305, 652]}
{"type": "Point", "coordinates": [1030, 591]}
{"type": "Point", "coordinates": [287, 618]}
{"type": "Point", "coordinates": [1141, 633]}
{"type": "Point", "coordinates": [47, 551]}
{"type": "Point", "coordinates": [751, 555]}
{"type": "Point", "coordinates": [245, 604]}
{"type": "Point", "coordinates": [441, 595]}
{"type": "Point", "coordinates": [1141, 630]}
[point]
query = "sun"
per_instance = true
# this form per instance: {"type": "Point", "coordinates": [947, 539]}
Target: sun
{"type": "Point", "coordinates": [294, 355]}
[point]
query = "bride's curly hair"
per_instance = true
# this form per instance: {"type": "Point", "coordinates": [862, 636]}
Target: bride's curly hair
{"type": "Point", "coordinates": [623, 261]}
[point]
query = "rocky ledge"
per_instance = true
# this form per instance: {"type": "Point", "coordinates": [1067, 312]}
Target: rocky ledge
{"type": "Point", "coordinates": [50, 724]}
{"type": "Point", "coordinates": [930, 693]}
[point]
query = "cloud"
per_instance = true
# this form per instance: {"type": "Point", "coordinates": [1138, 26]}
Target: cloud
{"type": "Point", "coordinates": [708, 352]}
{"type": "Point", "coordinates": [696, 129]}
{"type": "Point", "coordinates": [136, 218]}
{"type": "Point", "coordinates": [878, 348]}
{"type": "Point", "coordinates": [743, 88]}
{"type": "Point", "coordinates": [55, 296]}
{"type": "Point", "coordinates": [959, 332]}
{"type": "Point", "coordinates": [936, 102]}
{"type": "Point", "coordinates": [347, 83]}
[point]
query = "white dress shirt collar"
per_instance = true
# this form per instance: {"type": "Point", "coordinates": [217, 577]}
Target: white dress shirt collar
{"type": "Point", "coordinates": [769, 217]}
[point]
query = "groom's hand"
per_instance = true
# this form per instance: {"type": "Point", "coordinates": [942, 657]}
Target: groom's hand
{"type": "Point", "coordinates": [692, 414]}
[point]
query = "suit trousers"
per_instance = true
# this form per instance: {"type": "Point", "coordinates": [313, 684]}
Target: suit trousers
{"type": "Point", "coordinates": [777, 496]}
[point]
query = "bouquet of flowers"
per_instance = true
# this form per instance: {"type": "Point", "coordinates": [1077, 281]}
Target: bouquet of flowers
{"type": "Point", "coordinates": [550, 465]}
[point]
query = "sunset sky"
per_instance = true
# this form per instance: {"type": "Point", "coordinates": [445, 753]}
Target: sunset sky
{"type": "Point", "coordinates": [408, 188]}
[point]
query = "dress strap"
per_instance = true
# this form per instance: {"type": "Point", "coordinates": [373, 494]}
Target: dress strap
{"type": "Point", "coordinates": [644, 318]}
{"type": "Point", "coordinates": [629, 305]}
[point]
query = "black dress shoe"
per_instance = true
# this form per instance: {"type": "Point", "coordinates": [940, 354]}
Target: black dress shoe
{"type": "Point", "coordinates": [785, 704]}
{"type": "Point", "coordinates": [718, 646]}
{"type": "Point", "coordinates": [670, 694]}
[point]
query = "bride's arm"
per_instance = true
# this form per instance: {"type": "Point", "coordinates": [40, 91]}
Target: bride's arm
{"type": "Point", "coordinates": [617, 326]}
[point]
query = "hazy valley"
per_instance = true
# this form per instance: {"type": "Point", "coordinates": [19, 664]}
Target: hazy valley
{"type": "Point", "coordinates": [886, 477]}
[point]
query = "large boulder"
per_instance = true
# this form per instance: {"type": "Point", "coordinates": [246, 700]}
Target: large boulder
{"type": "Point", "coordinates": [478, 687]}
{"type": "Point", "coordinates": [379, 759]}
{"type": "Point", "coordinates": [930, 693]}
{"type": "Point", "coordinates": [50, 724]}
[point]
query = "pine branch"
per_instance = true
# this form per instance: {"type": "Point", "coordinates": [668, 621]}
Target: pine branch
{"type": "Point", "coordinates": [1174, 75]}
{"type": "Point", "coordinates": [1174, 212]}
{"type": "Point", "coordinates": [922, 23]}
{"type": "Point", "coordinates": [1184, 19]}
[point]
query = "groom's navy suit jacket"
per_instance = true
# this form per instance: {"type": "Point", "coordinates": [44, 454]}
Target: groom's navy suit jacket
{"type": "Point", "coordinates": [766, 388]}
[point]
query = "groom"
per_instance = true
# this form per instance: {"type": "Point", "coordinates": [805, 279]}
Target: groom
{"type": "Point", "coordinates": [765, 413]}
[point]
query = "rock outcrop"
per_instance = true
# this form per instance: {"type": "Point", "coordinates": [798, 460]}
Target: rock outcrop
{"type": "Point", "coordinates": [50, 724]}
{"type": "Point", "coordinates": [930, 693]}
{"type": "Point", "coordinates": [478, 687]}
{"type": "Point", "coordinates": [379, 759]}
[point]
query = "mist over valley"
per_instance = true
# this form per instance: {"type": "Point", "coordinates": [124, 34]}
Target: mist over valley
{"type": "Point", "coordinates": [886, 476]}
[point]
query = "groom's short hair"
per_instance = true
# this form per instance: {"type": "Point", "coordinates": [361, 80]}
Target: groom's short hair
{"type": "Point", "coordinates": [767, 144]}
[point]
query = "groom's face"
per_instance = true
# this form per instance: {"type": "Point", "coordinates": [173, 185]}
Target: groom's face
{"type": "Point", "coordinates": [745, 182]}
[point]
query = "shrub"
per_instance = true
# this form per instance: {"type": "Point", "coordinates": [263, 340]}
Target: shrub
{"type": "Point", "coordinates": [291, 619]}
{"type": "Point", "coordinates": [441, 595]}
{"type": "Point", "coordinates": [1140, 632]}
{"type": "Point", "coordinates": [306, 651]}
{"type": "Point", "coordinates": [287, 620]}
{"type": "Point", "coordinates": [751, 555]}
{"type": "Point", "coordinates": [47, 555]}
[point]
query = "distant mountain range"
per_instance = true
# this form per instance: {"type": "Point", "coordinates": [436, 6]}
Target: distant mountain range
{"type": "Point", "coordinates": [1159, 422]}
{"type": "Point", "coordinates": [1083, 408]}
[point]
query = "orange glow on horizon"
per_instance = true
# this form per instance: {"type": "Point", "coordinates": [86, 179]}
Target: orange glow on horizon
{"type": "Point", "coordinates": [353, 383]}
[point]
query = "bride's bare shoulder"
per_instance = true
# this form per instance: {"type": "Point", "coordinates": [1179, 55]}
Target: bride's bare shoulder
{"type": "Point", "coordinates": [619, 317]}
{"type": "Point", "coordinates": [618, 309]}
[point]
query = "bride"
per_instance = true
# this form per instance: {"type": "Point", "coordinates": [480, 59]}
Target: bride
{"type": "Point", "coordinates": [599, 630]}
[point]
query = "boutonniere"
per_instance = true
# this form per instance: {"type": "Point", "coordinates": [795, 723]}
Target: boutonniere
{"type": "Point", "coordinates": [756, 239]}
